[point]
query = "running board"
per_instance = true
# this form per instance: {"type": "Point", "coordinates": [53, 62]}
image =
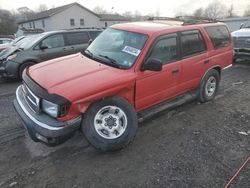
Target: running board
{"type": "Point", "coordinates": [182, 99]}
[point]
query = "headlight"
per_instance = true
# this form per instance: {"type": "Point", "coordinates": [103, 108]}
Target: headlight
{"type": "Point", "coordinates": [13, 56]}
{"type": "Point", "coordinates": [50, 108]}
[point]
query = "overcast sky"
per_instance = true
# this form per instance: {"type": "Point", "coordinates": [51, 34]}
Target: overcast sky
{"type": "Point", "coordinates": [164, 7]}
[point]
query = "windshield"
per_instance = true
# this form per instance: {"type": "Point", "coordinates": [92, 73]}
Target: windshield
{"type": "Point", "coordinates": [246, 25]}
{"type": "Point", "coordinates": [116, 47]}
{"type": "Point", "coordinates": [29, 41]}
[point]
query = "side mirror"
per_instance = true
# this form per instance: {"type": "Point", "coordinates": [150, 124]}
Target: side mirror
{"type": "Point", "coordinates": [152, 64]}
{"type": "Point", "coordinates": [241, 25]}
{"type": "Point", "coordinates": [43, 47]}
{"type": "Point", "coordinates": [90, 41]}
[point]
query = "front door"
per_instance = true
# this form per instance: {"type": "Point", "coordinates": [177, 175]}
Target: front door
{"type": "Point", "coordinates": [155, 87]}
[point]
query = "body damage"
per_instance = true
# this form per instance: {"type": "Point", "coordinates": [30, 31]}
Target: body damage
{"type": "Point", "coordinates": [91, 81]}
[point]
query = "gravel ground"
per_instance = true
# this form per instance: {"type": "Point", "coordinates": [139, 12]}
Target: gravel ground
{"type": "Point", "coordinates": [195, 145]}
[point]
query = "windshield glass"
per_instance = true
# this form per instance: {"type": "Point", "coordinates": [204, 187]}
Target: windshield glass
{"type": "Point", "coordinates": [246, 25]}
{"type": "Point", "coordinates": [28, 42]}
{"type": "Point", "coordinates": [117, 47]}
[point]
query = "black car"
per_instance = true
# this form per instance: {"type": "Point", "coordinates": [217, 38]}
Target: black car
{"type": "Point", "coordinates": [38, 48]}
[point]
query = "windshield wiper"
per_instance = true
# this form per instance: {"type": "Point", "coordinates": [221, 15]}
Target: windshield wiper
{"type": "Point", "coordinates": [111, 61]}
{"type": "Point", "coordinates": [88, 53]}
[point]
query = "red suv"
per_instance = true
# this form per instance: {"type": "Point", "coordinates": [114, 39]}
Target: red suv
{"type": "Point", "coordinates": [128, 73]}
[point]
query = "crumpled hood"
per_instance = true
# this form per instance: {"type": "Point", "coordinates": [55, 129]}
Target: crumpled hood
{"type": "Point", "coordinates": [7, 52]}
{"type": "Point", "coordinates": [76, 76]}
{"type": "Point", "coordinates": [241, 33]}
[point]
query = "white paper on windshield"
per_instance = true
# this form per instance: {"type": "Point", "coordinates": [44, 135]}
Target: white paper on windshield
{"type": "Point", "coordinates": [131, 50]}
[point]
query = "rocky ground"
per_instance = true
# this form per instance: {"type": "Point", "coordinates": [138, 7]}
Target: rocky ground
{"type": "Point", "coordinates": [195, 145]}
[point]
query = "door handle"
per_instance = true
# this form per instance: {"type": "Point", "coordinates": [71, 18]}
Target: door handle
{"type": "Point", "coordinates": [175, 71]}
{"type": "Point", "coordinates": [206, 62]}
{"type": "Point", "coordinates": [64, 49]}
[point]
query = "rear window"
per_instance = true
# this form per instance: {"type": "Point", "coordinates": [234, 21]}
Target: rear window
{"type": "Point", "coordinates": [219, 36]}
{"type": "Point", "coordinates": [192, 43]}
{"type": "Point", "coordinates": [77, 38]}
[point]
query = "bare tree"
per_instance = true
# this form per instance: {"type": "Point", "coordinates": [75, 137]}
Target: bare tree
{"type": "Point", "coordinates": [128, 14]}
{"type": "Point", "coordinates": [215, 10]}
{"type": "Point", "coordinates": [100, 10]}
{"type": "Point", "coordinates": [7, 23]}
{"type": "Point", "coordinates": [247, 11]}
{"type": "Point", "coordinates": [198, 13]}
{"type": "Point", "coordinates": [42, 7]}
{"type": "Point", "coordinates": [230, 12]}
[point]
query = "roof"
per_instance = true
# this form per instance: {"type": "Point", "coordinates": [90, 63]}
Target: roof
{"type": "Point", "coordinates": [152, 27]}
{"type": "Point", "coordinates": [235, 19]}
{"type": "Point", "coordinates": [112, 17]}
{"type": "Point", "coordinates": [53, 11]}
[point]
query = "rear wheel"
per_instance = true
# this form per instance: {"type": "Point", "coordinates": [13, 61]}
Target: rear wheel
{"type": "Point", "coordinates": [22, 67]}
{"type": "Point", "coordinates": [110, 125]}
{"type": "Point", "coordinates": [209, 86]}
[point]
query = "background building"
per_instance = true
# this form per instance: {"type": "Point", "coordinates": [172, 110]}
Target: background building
{"type": "Point", "coordinates": [69, 16]}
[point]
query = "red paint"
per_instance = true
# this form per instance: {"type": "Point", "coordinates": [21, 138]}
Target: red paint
{"type": "Point", "coordinates": [84, 81]}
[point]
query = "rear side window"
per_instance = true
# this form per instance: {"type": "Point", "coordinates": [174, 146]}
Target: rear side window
{"type": "Point", "coordinates": [77, 38]}
{"type": "Point", "coordinates": [165, 49]}
{"type": "Point", "coordinates": [192, 43]}
{"type": "Point", "coordinates": [219, 36]}
{"type": "Point", "coordinates": [94, 34]}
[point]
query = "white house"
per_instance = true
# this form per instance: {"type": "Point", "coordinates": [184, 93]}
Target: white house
{"type": "Point", "coordinates": [69, 16]}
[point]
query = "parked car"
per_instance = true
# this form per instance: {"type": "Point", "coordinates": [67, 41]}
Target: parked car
{"type": "Point", "coordinates": [128, 73]}
{"type": "Point", "coordinates": [9, 45]}
{"type": "Point", "coordinates": [241, 39]}
{"type": "Point", "coordinates": [45, 46]}
{"type": "Point", "coordinates": [5, 40]}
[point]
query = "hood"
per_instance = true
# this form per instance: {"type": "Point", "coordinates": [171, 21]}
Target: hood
{"type": "Point", "coordinates": [7, 52]}
{"type": "Point", "coordinates": [76, 76]}
{"type": "Point", "coordinates": [241, 33]}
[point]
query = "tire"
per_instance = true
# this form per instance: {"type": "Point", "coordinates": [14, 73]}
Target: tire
{"type": "Point", "coordinates": [102, 121]}
{"type": "Point", "coordinates": [209, 86]}
{"type": "Point", "coordinates": [22, 67]}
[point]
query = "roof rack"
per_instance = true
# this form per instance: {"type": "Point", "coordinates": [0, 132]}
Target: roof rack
{"type": "Point", "coordinates": [187, 20]}
{"type": "Point", "coordinates": [82, 28]}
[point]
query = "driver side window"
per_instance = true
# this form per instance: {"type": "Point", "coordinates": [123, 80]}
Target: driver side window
{"type": "Point", "coordinates": [54, 41]}
{"type": "Point", "coordinates": [165, 49]}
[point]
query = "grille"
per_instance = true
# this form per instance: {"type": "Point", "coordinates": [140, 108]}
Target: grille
{"type": "Point", "coordinates": [32, 100]}
{"type": "Point", "coordinates": [241, 42]}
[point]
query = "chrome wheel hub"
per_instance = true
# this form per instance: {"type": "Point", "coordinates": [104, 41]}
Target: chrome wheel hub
{"type": "Point", "coordinates": [210, 87]}
{"type": "Point", "coordinates": [110, 122]}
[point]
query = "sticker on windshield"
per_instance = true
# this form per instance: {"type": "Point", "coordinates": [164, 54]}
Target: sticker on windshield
{"type": "Point", "coordinates": [131, 50]}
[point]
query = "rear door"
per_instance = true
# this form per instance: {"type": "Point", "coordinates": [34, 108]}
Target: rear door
{"type": "Point", "coordinates": [194, 59]}
{"type": "Point", "coordinates": [55, 47]}
{"type": "Point", "coordinates": [77, 41]}
{"type": "Point", "coordinates": [154, 87]}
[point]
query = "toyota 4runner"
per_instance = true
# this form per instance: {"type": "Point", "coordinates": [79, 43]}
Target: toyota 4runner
{"type": "Point", "coordinates": [130, 72]}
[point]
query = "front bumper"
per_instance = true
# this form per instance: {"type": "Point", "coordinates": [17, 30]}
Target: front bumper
{"type": "Point", "coordinates": [242, 53]}
{"type": "Point", "coordinates": [8, 69]}
{"type": "Point", "coordinates": [41, 127]}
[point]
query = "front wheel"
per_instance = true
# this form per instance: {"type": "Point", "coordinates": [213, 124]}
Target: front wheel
{"type": "Point", "coordinates": [110, 124]}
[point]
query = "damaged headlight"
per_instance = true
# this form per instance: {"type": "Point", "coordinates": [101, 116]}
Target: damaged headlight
{"type": "Point", "coordinates": [50, 108]}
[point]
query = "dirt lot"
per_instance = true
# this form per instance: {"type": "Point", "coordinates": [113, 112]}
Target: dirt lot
{"type": "Point", "coordinates": [195, 145]}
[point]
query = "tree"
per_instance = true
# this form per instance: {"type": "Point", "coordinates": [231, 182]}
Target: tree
{"type": "Point", "coordinates": [42, 7]}
{"type": "Point", "coordinates": [7, 23]}
{"type": "Point", "coordinates": [215, 10]}
{"type": "Point", "coordinates": [100, 10]}
{"type": "Point", "coordinates": [198, 13]}
{"type": "Point", "coordinates": [230, 12]}
{"type": "Point", "coordinates": [128, 14]}
{"type": "Point", "coordinates": [247, 11]}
